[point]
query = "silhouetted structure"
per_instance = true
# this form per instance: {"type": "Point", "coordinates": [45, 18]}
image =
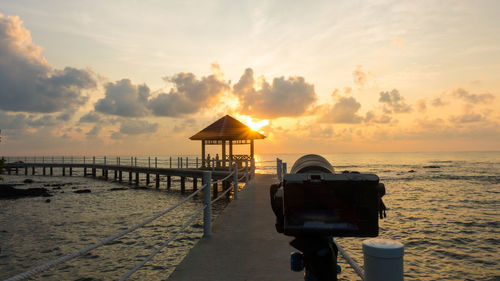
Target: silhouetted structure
{"type": "Point", "coordinates": [227, 130]}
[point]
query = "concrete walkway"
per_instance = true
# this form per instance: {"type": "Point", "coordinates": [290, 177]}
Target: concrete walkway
{"type": "Point", "coordinates": [244, 244]}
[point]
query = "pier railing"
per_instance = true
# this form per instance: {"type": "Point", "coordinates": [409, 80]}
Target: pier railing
{"type": "Point", "coordinates": [232, 176]}
{"type": "Point", "coordinates": [383, 258]}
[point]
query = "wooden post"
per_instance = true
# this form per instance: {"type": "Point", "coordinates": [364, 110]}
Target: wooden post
{"type": "Point", "coordinates": [224, 153]}
{"type": "Point", "coordinates": [120, 176]}
{"type": "Point", "coordinates": [169, 182]}
{"type": "Point", "coordinates": [195, 184]}
{"type": "Point", "coordinates": [235, 181]}
{"type": "Point", "coordinates": [43, 170]}
{"type": "Point", "coordinates": [33, 170]}
{"type": "Point", "coordinates": [115, 174]}
{"type": "Point", "coordinates": [251, 149]}
{"type": "Point", "coordinates": [51, 171]}
{"type": "Point", "coordinates": [63, 171]}
{"type": "Point", "coordinates": [203, 153]}
{"type": "Point", "coordinates": [157, 181]}
{"type": "Point", "coordinates": [207, 212]}
{"type": "Point", "coordinates": [216, 190]}
{"type": "Point", "coordinates": [70, 171]}
{"type": "Point", "coordinates": [147, 178]}
{"type": "Point", "coordinates": [230, 154]}
{"type": "Point", "coordinates": [130, 177]}
{"type": "Point", "coordinates": [26, 170]}
{"type": "Point", "coordinates": [136, 178]}
{"type": "Point", "coordinates": [183, 185]}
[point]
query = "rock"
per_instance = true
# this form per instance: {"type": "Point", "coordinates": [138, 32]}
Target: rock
{"type": "Point", "coordinates": [29, 181]}
{"type": "Point", "coordinates": [432, 167]}
{"type": "Point", "coordinates": [118, 188]}
{"type": "Point", "coordinates": [10, 192]}
{"type": "Point", "coordinates": [82, 191]}
{"type": "Point", "coordinates": [411, 171]}
{"type": "Point", "coordinates": [47, 201]}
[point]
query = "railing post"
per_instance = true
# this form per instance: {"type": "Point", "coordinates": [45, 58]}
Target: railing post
{"type": "Point", "coordinates": [156, 162]}
{"type": "Point", "coordinates": [213, 164]}
{"type": "Point", "coordinates": [235, 180]}
{"type": "Point", "coordinates": [135, 161]}
{"type": "Point", "coordinates": [207, 211]}
{"type": "Point", "coordinates": [383, 260]}
{"type": "Point", "coordinates": [284, 169]}
{"type": "Point", "coordinates": [170, 162]}
{"type": "Point", "coordinates": [278, 169]}
{"type": "Point", "coordinates": [104, 160]}
{"type": "Point", "coordinates": [196, 162]}
{"type": "Point", "coordinates": [187, 162]}
{"type": "Point", "coordinates": [246, 171]}
{"type": "Point", "coordinates": [149, 161]}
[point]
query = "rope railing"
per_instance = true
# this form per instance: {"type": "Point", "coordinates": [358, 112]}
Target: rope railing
{"type": "Point", "coordinates": [359, 271]}
{"type": "Point", "coordinates": [80, 252]}
{"type": "Point", "coordinates": [148, 258]}
{"type": "Point", "coordinates": [207, 183]}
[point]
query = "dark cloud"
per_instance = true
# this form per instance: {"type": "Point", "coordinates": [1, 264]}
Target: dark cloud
{"type": "Point", "coordinates": [123, 98]}
{"type": "Point", "coordinates": [136, 127]}
{"type": "Point", "coordinates": [284, 97]}
{"type": "Point", "coordinates": [360, 77]}
{"type": "Point", "coordinates": [28, 82]}
{"type": "Point", "coordinates": [91, 117]}
{"type": "Point", "coordinates": [472, 98]}
{"type": "Point", "coordinates": [189, 95]}
{"type": "Point", "coordinates": [64, 116]}
{"type": "Point", "coordinates": [394, 102]}
{"type": "Point", "coordinates": [345, 110]}
{"type": "Point", "coordinates": [94, 132]}
{"type": "Point", "coordinates": [12, 121]}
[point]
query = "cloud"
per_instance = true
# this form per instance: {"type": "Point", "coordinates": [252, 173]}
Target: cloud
{"type": "Point", "coordinates": [360, 77]}
{"type": "Point", "coordinates": [467, 118]}
{"type": "Point", "coordinates": [189, 95]}
{"type": "Point", "coordinates": [12, 122]}
{"type": "Point", "coordinates": [421, 106]}
{"type": "Point", "coordinates": [394, 102]}
{"type": "Point", "coordinates": [437, 102]}
{"type": "Point", "coordinates": [343, 111]}
{"type": "Point", "coordinates": [94, 132]}
{"type": "Point", "coordinates": [136, 127]}
{"type": "Point", "coordinates": [472, 98]}
{"type": "Point", "coordinates": [289, 97]}
{"type": "Point", "coordinates": [28, 82]}
{"type": "Point", "coordinates": [123, 98]}
{"type": "Point", "coordinates": [371, 117]}
{"type": "Point", "coordinates": [91, 117]}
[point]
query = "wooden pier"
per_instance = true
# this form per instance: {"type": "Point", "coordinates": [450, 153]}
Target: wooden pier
{"type": "Point", "coordinates": [116, 172]}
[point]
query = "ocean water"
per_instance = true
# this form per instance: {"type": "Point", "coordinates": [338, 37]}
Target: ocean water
{"type": "Point", "coordinates": [444, 207]}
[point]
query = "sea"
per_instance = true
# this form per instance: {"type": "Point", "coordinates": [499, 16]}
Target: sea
{"type": "Point", "coordinates": [443, 206]}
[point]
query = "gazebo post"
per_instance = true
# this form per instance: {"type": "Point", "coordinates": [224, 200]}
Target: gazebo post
{"type": "Point", "coordinates": [223, 153]}
{"type": "Point", "coordinates": [230, 153]}
{"type": "Point", "coordinates": [203, 153]}
{"type": "Point", "coordinates": [251, 149]}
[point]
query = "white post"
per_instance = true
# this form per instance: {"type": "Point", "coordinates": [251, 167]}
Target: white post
{"type": "Point", "coordinates": [235, 180]}
{"type": "Point", "coordinates": [207, 212]}
{"type": "Point", "coordinates": [383, 260]}
{"type": "Point", "coordinates": [279, 170]}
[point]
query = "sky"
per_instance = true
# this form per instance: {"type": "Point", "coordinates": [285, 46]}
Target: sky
{"type": "Point", "coordinates": [141, 77]}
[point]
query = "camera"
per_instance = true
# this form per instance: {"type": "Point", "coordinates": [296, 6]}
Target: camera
{"type": "Point", "coordinates": [313, 200]}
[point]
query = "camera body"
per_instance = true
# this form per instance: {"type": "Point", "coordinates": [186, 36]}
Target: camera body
{"type": "Point", "coordinates": [312, 200]}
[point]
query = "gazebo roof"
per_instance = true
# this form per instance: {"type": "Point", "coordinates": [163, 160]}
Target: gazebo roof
{"type": "Point", "coordinates": [227, 128]}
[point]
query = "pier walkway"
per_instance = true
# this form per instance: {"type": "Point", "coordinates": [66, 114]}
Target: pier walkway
{"type": "Point", "coordinates": [244, 244]}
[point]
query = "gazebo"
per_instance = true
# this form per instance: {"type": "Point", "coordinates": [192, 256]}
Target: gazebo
{"type": "Point", "coordinates": [224, 131]}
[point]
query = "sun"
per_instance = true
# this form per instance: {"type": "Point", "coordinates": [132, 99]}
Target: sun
{"type": "Point", "coordinates": [254, 125]}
